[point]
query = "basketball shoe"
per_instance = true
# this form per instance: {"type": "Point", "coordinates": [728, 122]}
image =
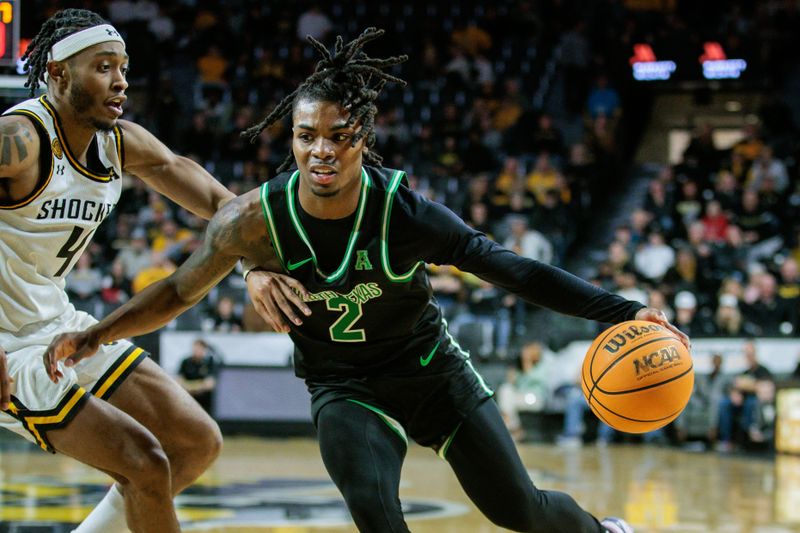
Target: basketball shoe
{"type": "Point", "coordinates": [616, 525]}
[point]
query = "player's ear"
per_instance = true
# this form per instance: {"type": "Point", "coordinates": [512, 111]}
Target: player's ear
{"type": "Point", "coordinates": [57, 71]}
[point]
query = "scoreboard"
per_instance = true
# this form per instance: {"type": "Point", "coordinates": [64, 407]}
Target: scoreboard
{"type": "Point", "coordinates": [9, 32]}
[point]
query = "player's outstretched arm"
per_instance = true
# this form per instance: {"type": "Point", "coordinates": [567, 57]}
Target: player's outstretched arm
{"type": "Point", "coordinates": [178, 178]}
{"type": "Point", "coordinates": [229, 236]}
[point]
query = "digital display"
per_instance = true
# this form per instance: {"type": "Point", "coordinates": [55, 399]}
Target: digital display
{"type": "Point", "coordinates": [710, 63]}
{"type": "Point", "coordinates": [9, 33]}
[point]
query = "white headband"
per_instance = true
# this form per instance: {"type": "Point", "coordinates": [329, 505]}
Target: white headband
{"type": "Point", "coordinates": [72, 44]}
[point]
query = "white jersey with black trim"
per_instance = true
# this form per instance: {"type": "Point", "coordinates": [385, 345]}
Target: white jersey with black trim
{"type": "Point", "coordinates": [43, 235]}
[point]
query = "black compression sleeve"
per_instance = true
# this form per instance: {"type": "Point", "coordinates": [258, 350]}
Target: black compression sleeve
{"type": "Point", "coordinates": [450, 241]}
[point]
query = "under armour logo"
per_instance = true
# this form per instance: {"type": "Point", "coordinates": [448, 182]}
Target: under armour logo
{"type": "Point", "coordinates": [60, 170]}
{"type": "Point", "coordinates": [112, 33]}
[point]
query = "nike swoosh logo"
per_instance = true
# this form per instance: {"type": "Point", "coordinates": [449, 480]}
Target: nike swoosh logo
{"type": "Point", "coordinates": [425, 360]}
{"type": "Point", "coordinates": [294, 266]}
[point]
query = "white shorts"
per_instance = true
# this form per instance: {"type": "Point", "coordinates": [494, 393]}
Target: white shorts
{"type": "Point", "coordinates": [37, 404]}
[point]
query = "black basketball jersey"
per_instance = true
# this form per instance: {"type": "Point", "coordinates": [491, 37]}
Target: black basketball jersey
{"type": "Point", "coordinates": [372, 307]}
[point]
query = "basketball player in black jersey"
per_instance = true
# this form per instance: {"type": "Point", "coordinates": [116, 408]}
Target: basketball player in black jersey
{"type": "Point", "coordinates": [373, 347]}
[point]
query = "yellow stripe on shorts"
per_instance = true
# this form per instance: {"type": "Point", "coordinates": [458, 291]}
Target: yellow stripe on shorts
{"type": "Point", "coordinates": [128, 363]}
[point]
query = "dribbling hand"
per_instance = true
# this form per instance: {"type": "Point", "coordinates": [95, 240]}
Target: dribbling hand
{"type": "Point", "coordinates": [277, 298]}
{"type": "Point", "coordinates": [651, 314]}
{"type": "Point", "coordinates": [69, 347]}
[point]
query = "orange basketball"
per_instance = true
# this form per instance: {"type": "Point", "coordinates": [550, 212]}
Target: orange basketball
{"type": "Point", "coordinates": [637, 376]}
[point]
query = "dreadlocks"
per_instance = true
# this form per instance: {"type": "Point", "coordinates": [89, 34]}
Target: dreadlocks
{"type": "Point", "coordinates": [346, 76]}
{"type": "Point", "coordinates": [60, 25]}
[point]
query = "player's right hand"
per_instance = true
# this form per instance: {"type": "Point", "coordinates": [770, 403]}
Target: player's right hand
{"type": "Point", "coordinates": [276, 298]}
{"type": "Point", "coordinates": [70, 347]}
{"type": "Point", "coordinates": [6, 383]}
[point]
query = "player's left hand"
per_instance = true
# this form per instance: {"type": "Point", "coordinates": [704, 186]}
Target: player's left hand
{"type": "Point", "coordinates": [277, 298]}
{"type": "Point", "coordinates": [70, 347]}
{"type": "Point", "coordinates": [651, 314]}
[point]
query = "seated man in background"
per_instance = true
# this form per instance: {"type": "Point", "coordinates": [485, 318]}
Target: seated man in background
{"type": "Point", "coordinates": [198, 373]}
{"type": "Point", "coordinates": [703, 409]}
{"type": "Point", "coordinates": [526, 388]}
{"type": "Point", "coordinates": [742, 403]}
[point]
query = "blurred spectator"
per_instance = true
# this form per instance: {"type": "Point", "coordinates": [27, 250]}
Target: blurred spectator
{"type": "Point", "coordinates": [686, 315]}
{"type": "Point", "coordinates": [198, 374]}
{"type": "Point", "coordinates": [703, 408]}
{"type": "Point", "coordinates": [728, 318]}
{"type": "Point", "coordinates": [160, 267]}
{"type": "Point", "coordinates": [689, 206]}
{"type": "Point", "coordinates": [766, 166]}
{"type": "Point", "coordinates": [554, 220]}
{"type": "Point", "coordinates": [715, 222]}
{"type": "Point", "coordinates": [546, 138]}
{"type": "Point", "coordinates": [757, 223]}
{"type": "Point", "coordinates": [575, 60]}
{"type": "Point", "coordinates": [739, 407]}
{"type": "Point", "coordinates": [315, 23]}
{"type": "Point", "coordinates": [526, 388]}
{"type": "Point", "coordinates": [764, 312]}
{"type": "Point", "coordinates": [545, 178]}
{"type": "Point", "coordinates": [726, 191]}
{"type": "Point", "coordinates": [702, 150]}
{"type": "Point", "coordinates": [528, 242]}
{"type": "Point", "coordinates": [212, 66]}
{"type": "Point", "coordinates": [116, 286]}
{"type": "Point", "coordinates": [137, 256]}
{"type": "Point", "coordinates": [224, 317]}
{"type": "Point", "coordinates": [750, 146]}
{"type": "Point", "coordinates": [169, 237]}
{"type": "Point", "coordinates": [627, 287]}
{"type": "Point", "coordinates": [660, 206]}
{"type": "Point", "coordinates": [603, 100]}
{"type": "Point", "coordinates": [653, 259]}
{"type": "Point", "coordinates": [789, 290]}
{"type": "Point", "coordinates": [84, 282]}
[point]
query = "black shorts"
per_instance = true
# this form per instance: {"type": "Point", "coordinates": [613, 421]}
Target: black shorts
{"type": "Point", "coordinates": [429, 399]}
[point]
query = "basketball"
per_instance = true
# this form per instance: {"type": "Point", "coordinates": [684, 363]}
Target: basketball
{"type": "Point", "coordinates": [637, 376]}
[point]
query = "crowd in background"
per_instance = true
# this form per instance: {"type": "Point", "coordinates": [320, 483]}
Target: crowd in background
{"type": "Point", "coordinates": [519, 115]}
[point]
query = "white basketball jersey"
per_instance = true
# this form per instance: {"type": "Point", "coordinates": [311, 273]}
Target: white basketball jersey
{"type": "Point", "coordinates": [43, 235]}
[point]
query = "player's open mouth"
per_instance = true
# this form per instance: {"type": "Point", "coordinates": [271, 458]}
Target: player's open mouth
{"type": "Point", "coordinates": [323, 175]}
{"type": "Point", "coordinates": [115, 105]}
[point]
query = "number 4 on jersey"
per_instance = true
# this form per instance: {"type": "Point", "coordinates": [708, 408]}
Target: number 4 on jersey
{"type": "Point", "coordinates": [72, 247]}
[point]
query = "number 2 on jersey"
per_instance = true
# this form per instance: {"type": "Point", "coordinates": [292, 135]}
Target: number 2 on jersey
{"type": "Point", "coordinates": [341, 329]}
{"type": "Point", "coordinates": [70, 247]}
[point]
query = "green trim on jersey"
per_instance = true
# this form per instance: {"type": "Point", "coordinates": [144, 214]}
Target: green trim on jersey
{"type": "Point", "coordinates": [396, 426]}
{"type": "Point", "coordinates": [387, 213]}
{"type": "Point", "coordinates": [298, 226]}
{"type": "Point", "coordinates": [442, 451]}
{"type": "Point", "coordinates": [467, 359]}
{"type": "Point", "coordinates": [273, 233]}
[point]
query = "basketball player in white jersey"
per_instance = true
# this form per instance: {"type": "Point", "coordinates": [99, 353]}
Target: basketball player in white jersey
{"type": "Point", "coordinates": [61, 158]}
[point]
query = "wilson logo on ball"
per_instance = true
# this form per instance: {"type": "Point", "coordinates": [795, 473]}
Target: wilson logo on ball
{"type": "Point", "coordinates": [620, 339]}
{"type": "Point", "coordinates": [656, 360]}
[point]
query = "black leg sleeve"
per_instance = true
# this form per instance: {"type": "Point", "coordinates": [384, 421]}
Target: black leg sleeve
{"type": "Point", "coordinates": [363, 456]}
{"type": "Point", "coordinates": [491, 472]}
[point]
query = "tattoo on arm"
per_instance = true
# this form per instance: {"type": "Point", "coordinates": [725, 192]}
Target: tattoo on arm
{"type": "Point", "coordinates": [13, 133]}
{"type": "Point", "coordinates": [216, 257]}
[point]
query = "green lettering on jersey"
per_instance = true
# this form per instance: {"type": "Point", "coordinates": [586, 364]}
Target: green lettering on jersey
{"type": "Point", "coordinates": [362, 260]}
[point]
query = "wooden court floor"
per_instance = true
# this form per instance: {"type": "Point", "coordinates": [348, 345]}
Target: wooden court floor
{"type": "Point", "coordinates": [280, 486]}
